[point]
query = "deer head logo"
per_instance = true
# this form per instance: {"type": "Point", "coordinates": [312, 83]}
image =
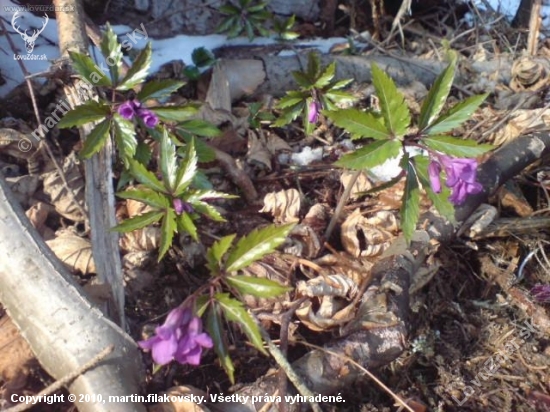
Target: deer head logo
{"type": "Point", "coordinates": [29, 40]}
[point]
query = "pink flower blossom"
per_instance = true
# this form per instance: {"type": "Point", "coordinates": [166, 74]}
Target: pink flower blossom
{"type": "Point", "coordinates": [130, 108]}
{"type": "Point", "coordinates": [461, 177]}
{"type": "Point", "coordinates": [180, 338]}
{"type": "Point", "coordinates": [313, 113]}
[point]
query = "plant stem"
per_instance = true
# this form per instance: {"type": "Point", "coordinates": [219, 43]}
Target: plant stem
{"type": "Point", "coordinates": [341, 203]}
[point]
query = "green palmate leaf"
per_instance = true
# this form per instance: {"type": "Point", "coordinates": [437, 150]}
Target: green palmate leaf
{"type": "Point", "coordinates": [439, 200]}
{"type": "Point", "coordinates": [235, 312]}
{"type": "Point", "coordinates": [204, 152]}
{"type": "Point", "coordinates": [456, 147]}
{"type": "Point", "coordinates": [372, 155]}
{"type": "Point", "coordinates": [215, 254]}
{"type": "Point", "coordinates": [214, 326]}
{"type": "Point", "coordinates": [302, 79]}
{"type": "Point", "coordinates": [326, 76]}
{"type": "Point", "coordinates": [340, 84]}
{"type": "Point", "coordinates": [229, 9]}
{"type": "Point", "coordinates": [289, 115]}
{"type": "Point", "coordinates": [187, 169]}
{"type": "Point", "coordinates": [201, 182]}
{"type": "Point", "coordinates": [96, 139]}
{"type": "Point", "coordinates": [392, 103]}
{"type": "Point", "coordinates": [175, 113]}
{"type": "Point", "coordinates": [260, 7]}
{"type": "Point", "coordinates": [168, 159]}
{"type": "Point", "coordinates": [249, 30]}
{"type": "Point", "coordinates": [436, 97]}
{"type": "Point", "coordinates": [359, 124]}
{"type": "Point", "coordinates": [201, 304]}
{"type": "Point", "coordinates": [112, 50]}
{"type": "Point", "coordinates": [207, 210]}
{"type": "Point", "coordinates": [158, 89]}
{"type": "Point", "coordinates": [89, 71]}
{"type": "Point", "coordinates": [410, 209]}
{"type": "Point", "coordinates": [338, 96]}
{"type": "Point", "coordinates": [209, 194]}
{"type": "Point", "coordinates": [192, 72]}
{"type": "Point", "coordinates": [457, 115]}
{"type": "Point", "coordinates": [199, 127]}
{"type": "Point", "coordinates": [125, 138]}
{"type": "Point", "coordinates": [138, 72]}
{"type": "Point", "coordinates": [143, 153]}
{"type": "Point", "coordinates": [146, 177]}
{"type": "Point", "coordinates": [260, 287]}
{"type": "Point", "coordinates": [255, 245]}
{"type": "Point", "coordinates": [289, 101]}
{"type": "Point", "coordinates": [203, 57]}
{"type": "Point", "coordinates": [186, 225]}
{"type": "Point", "coordinates": [313, 65]}
{"type": "Point", "coordinates": [167, 230]}
{"type": "Point", "coordinates": [148, 197]}
{"type": "Point", "coordinates": [91, 111]}
{"type": "Point", "coordinates": [139, 222]}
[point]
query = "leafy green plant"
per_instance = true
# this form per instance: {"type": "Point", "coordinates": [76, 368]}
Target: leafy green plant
{"type": "Point", "coordinates": [393, 136]}
{"type": "Point", "coordinates": [202, 59]}
{"type": "Point", "coordinates": [317, 91]}
{"type": "Point", "coordinates": [224, 261]}
{"type": "Point", "coordinates": [181, 195]}
{"type": "Point", "coordinates": [246, 17]}
{"type": "Point", "coordinates": [173, 201]}
{"type": "Point", "coordinates": [257, 115]}
{"type": "Point", "coordinates": [283, 29]}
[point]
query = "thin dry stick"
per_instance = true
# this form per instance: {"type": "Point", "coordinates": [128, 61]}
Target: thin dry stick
{"type": "Point", "coordinates": [370, 375]}
{"type": "Point", "coordinates": [43, 143]}
{"type": "Point", "coordinates": [67, 379]}
{"type": "Point", "coordinates": [341, 203]}
{"type": "Point", "coordinates": [292, 376]}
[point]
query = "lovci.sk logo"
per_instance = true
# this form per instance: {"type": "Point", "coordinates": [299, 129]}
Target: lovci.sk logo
{"type": "Point", "coordinates": [29, 40]}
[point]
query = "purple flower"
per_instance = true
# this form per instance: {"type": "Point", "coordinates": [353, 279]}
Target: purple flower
{"type": "Point", "coordinates": [434, 169]}
{"type": "Point", "coordinates": [461, 177]}
{"type": "Point", "coordinates": [313, 113]}
{"type": "Point", "coordinates": [126, 110]}
{"type": "Point", "coordinates": [149, 118]}
{"type": "Point", "coordinates": [541, 293]}
{"type": "Point", "coordinates": [133, 107]}
{"type": "Point", "coordinates": [190, 346]}
{"type": "Point", "coordinates": [180, 206]}
{"type": "Point", "coordinates": [180, 338]}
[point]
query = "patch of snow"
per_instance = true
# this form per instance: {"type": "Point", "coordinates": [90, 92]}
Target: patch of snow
{"type": "Point", "coordinates": [307, 156]}
{"type": "Point", "coordinates": [508, 8]}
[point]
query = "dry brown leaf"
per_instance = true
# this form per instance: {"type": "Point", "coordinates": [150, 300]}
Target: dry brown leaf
{"type": "Point", "coordinates": [181, 401]}
{"type": "Point", "coordinates": [305, 242]}
{"type": "Point", "coordinates": [74, 251]}
{"type": "Point", "coordinates": [37, 214]}
{"type": "Point", "coordinates": [59, 195]}
{"type": "Point", "coordinates": [261, 148]}
{"type": "Point", "coordinates": [529, 74]}
{"type": "Point", "coordinates": [521, 121]}
{"type": "Point", "coordinates": [362, 184]}
{"type": "Point", "coordinates": [371, 236]}
{"type": "Point", "coordinates": [136, 208]}
{"type": "Point", "coordinates": [16, 358]}
{"type": "Point", "coordinates": [141, 240]}
{"type": "Point", "coordinates": [283, 205]}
